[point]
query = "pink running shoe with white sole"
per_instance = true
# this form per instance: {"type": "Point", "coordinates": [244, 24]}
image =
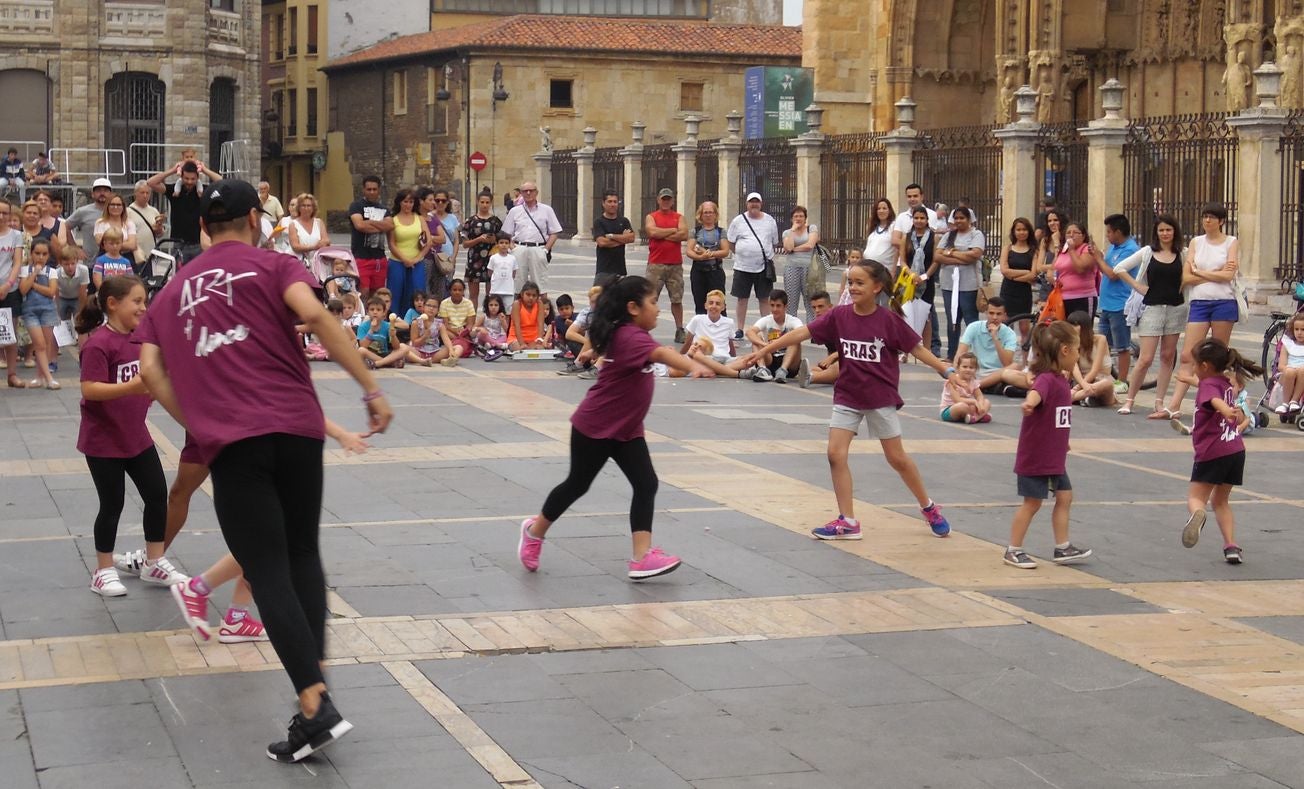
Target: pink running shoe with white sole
{"type": "Point", "coordinates": [529, 547]}
{"type": "Point", "coordinates": [194, 609]}
{"type": "Point", "coordinates": [246, 630]}
{"type": "Point", "coordinates": [655, 562]}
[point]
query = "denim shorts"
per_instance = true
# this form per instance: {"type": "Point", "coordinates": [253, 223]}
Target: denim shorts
{"type": "Point", "coordinates": [1211, 310]}
{"type": "Point", "coordinates": [1042, 487]}
{"type": "Point", "coordinates": [1117, 333]}
{"type": "Point", "coordinates": [35, 316]}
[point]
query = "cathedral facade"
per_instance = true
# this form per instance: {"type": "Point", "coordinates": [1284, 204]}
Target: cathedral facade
{"type": "Point", "coordinates": [962, 60]}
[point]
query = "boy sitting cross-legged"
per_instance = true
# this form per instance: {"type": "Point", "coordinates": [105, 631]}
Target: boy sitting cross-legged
{"type": "Point", "coordinates": [784, 362]}
{"type": "Point", "coordinates": [377, 339]}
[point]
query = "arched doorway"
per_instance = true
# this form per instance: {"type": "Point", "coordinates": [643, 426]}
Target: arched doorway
{"type": "Point", "coordinates": [30, 90]}
{"type": "Point", "coordinates": [134, 105]}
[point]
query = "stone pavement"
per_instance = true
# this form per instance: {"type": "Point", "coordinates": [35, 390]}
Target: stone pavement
{"type": "Point", "coordinates": [767, 660]}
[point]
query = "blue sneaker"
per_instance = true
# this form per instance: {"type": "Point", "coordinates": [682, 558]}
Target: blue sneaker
{"type": "Point", "coordinates": [936, 520]}
{"type": "Point", "coordinates": [837, 529]}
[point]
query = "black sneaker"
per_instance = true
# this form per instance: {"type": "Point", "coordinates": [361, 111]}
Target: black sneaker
{"type": "Point", "coordinates": [1014, 391]}
{"type": "Point", "coordinates": [308, 735]}
{"type": "Point", "coordinates": [1020, 559]}
{"type": "Point", "coordinates": [1070, 555]}
{"type": "Point", "coordinates": [738, 335]}
{"type": "Point", "coordinates": [1232, 553]}
{"type": "Point", "coordinates": [1260, 420]}
{"type": "Point", "coordinates": [1191, 531]}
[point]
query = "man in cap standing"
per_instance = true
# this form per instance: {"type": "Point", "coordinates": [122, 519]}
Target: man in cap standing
{"type": "Point", "coordinates": [82, 221]}
{"type": "Point", "coordinates": [666, 229]}
{"type": "Point", "coordinates": [754, 236]}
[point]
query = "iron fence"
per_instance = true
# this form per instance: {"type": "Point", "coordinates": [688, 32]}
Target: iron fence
{"type": "Point", "coordinates": [565, 191]}
{"type": "Point", "coordinates": [708, 173]}
{"type": "Point", "coordinates": [1061, 157]}
{"type": "Point", "coordinates": [1175, 165]}
{"type": "Point", "coordinates": [658, 173]}
{"type": "Point", "coordinates": [768, 165]}
{"type": "Point", "coordinates": [1290, 258]}
{"type": "Point", "coordinates": [854, 173]}
{"type": "Point", "coordinates": [965, 162]}
{"type": "Point", "coordinates": [608, 176]}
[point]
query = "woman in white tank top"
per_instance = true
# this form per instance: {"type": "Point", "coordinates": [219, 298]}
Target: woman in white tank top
{"type": "Point", "coordinates": [306, 232]}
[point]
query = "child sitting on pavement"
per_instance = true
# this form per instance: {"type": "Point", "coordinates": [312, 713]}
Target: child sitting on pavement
{"type": "Point", "coordinates": [782, 363]}
{"type": "Point", "coordinates": [826, 370]}
{"type": "Point", "coordinates": [715, 325]}
{"type": "Point", "coordinates": [962, 397]}
{"type": "Point", "coordinates": [430, 340]}
{"type": "Point", "coordinates": [377, 340]}
{"type": "Point", "coordinates": [491, 329]}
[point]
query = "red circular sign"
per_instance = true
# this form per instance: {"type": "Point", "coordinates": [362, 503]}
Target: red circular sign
{"type": "Point", "coordinates": [477, 161]}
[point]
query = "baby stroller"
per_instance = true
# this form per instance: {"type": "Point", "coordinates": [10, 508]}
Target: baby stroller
{"type": "Point", "coordinates": [159, 267]}
{"type": "Point", "coordinates": [322, 267]}
{"type": "Point", "coordinates": [1274, 396]}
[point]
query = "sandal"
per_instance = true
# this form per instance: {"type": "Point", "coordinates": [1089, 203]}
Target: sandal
{"type": "Point", "coordinates": [1161, 413]}
{"type": "Point", "coordinates": [54, 385]}
{"type": "Point", "coordinates": [1127, 408]}
{"type": "Point", "coordinates": [14, 383]}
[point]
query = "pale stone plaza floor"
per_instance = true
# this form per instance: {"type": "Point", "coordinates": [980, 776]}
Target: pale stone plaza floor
{"type": "Point", "coordinates": [767, 660]}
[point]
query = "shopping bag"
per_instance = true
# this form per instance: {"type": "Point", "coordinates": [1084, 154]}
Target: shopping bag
{"type": "Point", "coordinates": [7, 334]}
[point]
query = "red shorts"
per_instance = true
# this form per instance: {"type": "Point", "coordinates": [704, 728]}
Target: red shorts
{"type": "Point", "coordinates": [372, 273]}
{"type": "Point", "coordinates": [190, 452]}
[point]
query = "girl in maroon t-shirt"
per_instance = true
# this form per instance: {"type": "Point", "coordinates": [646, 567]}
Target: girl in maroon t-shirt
{"type": "Point", "coordinates": [113, 436]}
{"type": "Point", "coordinates": [609, 422]}
{"type": "Point", "coordinates": [1040, 460]}
{"type": "Point", "coordinates": [1219, 451]}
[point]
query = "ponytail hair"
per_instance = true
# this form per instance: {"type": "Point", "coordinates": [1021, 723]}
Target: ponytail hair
{"type": "Point", "coordinates": [613, 309]}
{"type": "Point", "coordinates": [91, 316]}
{"type": "Point", "coordinates": [1222, 358]}
{"type": "Point", "coordinates": [1047, 340]}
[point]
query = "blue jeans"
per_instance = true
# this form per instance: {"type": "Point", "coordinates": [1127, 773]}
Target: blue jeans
{"type": "Point", "coordinates": [935, 341]}
{"type": "Point", "coordinates": [968, 314]}
{"type": "Point", "coordinates": [403, 282]}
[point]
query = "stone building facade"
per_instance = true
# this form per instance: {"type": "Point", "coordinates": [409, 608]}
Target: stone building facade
{"type": "Point", "coordinates": [561, 74]}
{"type": "Point", "coordinates": [107, 75]}
{"type": "Point", "coordinates": [962, 61]}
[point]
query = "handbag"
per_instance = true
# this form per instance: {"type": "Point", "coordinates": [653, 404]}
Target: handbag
{"type": "Point", "coordinates": [1054, 308]}
{"type": "Point", "coordinates": [770, 273]}
{"type": "Point", "coordinates": [818, 272]}
{"type": "Point", "coordinates": [445, 263]}
{"type": "Point", "coordinates": [903, 289]}
{"type": "Point", "coordinates": [1242, 302]}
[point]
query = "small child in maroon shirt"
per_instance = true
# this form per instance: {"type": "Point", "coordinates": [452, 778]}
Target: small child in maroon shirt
{"type": "Point", "coordinates": [1219, 450]}
{"type": "Point", "coordinates": [1040, 460]}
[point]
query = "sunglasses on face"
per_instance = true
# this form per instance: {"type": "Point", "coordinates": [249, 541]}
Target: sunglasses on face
{"type": "Point", "coordinates": [440, 200]}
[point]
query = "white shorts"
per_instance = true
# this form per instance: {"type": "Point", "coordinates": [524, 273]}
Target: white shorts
{"type": "Point", "coordinates": [880, 423]}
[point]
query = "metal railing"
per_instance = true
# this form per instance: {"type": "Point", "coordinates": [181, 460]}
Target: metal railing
{"type": "Point", "coordinates": [658, 173]}
{"type": "Point", "coordinates": [767, 165]}
{"type": "Point", "coordinates": [565, 190]}
{"type": "Point", "coordinates": [1290, 257]}
{"type": "Point", "coordinates": [853, 170]}
{"type": "Point", "coordinates": [239, 159]}
{"type": "Point", "coordinates": [708, 175]}
{"type": "Point", "coordinates": [27, 150]}
{"type": "Point", "coordinates": [1061, 157]}
{"type": "Point", "coordinates": [608, 176]}
{"type": "Point", "coordinates": [1175, 165]}
{"type": "Point", "coordinates": [88, 163]}
{"type": "Point", "coordinates": [965, 161]}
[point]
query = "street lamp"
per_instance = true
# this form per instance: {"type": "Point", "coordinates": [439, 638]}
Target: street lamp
{"type": "Point", "coordinates": [443, 94]}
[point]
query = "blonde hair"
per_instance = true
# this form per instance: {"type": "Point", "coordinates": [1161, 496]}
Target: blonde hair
{"type": "Point", "coordinates": [299, 198]}
{"type": "Point", "coordinates": [595, 291]}
{"type": "Point", "coordinates": [705, 344]}
{"type": "Point", "coordinates": [352, 300]}
{"type": "Point", "coordinates": [112, 235]}
{"type": "Point", "coordinates": [69, 252]}
{"type": "Point", "coordinates": [716, 292]}
{"type": "Point", "coordinates": [698, 214]}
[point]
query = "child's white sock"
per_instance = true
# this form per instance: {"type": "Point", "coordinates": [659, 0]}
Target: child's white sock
{"type": "Point", "coordinates": [1062, 545]}
{"type": "Point", "coordinates": [1013, 547]}
{"type": "Point", "coordinates": [852, 521]}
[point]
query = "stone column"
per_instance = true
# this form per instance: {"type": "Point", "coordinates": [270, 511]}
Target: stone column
{"type": "Point", "coordinates": [1105, 137]}
{"type": "Point", "coordinates": [810, 176]}
{"type": "Point", "coordinates": [686, 167]}
{"type": "Point", "coordinates": [899, 168]}
{"type": "Point", "coordinates": [632, 158]}
{"type": "Point", "coordinates": [543, 174]}
{"type": "Point", "coordinates": [1258, 188]}
{"type": "Point", "coordinates": [584, 186]}
{"type": "Point", "coordinates": [1018, 159]}
{"type": "Point", "coordinates": [729, 149]}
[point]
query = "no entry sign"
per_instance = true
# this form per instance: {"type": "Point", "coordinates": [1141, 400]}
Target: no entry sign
{"type": "Point", "coordinates": [477, 161]}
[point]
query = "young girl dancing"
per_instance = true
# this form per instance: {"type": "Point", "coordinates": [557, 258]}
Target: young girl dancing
{"type": "Point", "coordinates": [1039, 461]}
{"type": "Point", "coordinates": [609, 423]}
{"type": "Point", "coordinates": [869, 376]}
{"type": "Point", "coordinates": [1219, 450]}
{"type": "Point", "coordinates": [113, 436]}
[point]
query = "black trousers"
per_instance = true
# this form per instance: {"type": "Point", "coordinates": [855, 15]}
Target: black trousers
{"type": "Point", "coordinates": [703, 279]}
{"type": "Point", "coordinates": [267, 494]}
{"type": "Point", "coordinates": [110, 477]}
{"type": "Point", "coordinates": [587, 457]}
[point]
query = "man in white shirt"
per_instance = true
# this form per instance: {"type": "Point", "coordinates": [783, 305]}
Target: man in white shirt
{"type": "Point", "coordinates": [147, 219]}
{"type": "Point", "coordinates": [901, 228]}
{"type": "Point", "coordinates": [534, 228]}
{"type": "Point", "coordinates": [754, 235]}
{"type": "Point", "coordinates": [715, 326]}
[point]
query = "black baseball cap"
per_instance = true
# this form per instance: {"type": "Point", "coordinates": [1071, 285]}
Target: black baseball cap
{"type": "Point", "coordinates": [229, 199]}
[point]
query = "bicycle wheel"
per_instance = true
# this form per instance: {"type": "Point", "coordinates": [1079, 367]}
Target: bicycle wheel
{"type": "Point", "coordinates": [1270, 338]}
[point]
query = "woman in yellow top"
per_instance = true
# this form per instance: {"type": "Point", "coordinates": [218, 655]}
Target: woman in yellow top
{"type": "Point", "coordinates": [408, 245]}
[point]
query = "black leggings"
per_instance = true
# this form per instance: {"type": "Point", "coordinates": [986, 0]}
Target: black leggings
{"type": "Point", "coordinates": [110, 477]}
{"type": "Point", "coordinates": [704, 279]}
{"type": "Point", "coordinates": [587, 457]}
{"type": "Point", "coordinates": [267, 495]}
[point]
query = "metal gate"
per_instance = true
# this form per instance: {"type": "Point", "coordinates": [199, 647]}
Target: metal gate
{"type": "Point", "coordinates": [769, 166]}
{"type": "Point", "coordinates": [960, 162]}
{"type": "Point", "coordinates": [133, 112]}
{"type": "Point", "coordinates": [853, 169]}
{"type": "Point", "coordinates": [565, 192]}
{"type": "Point", "coordinates": [658, 173]}
{"type": "Point", "coordinates": [608, 176]}
{"type": "Point", "coordinates": [1177, 164]}
{"type": "Point", "coordinates": [1290, 257]}
{"type": "Point", "coordinates": [708, 174]}
{"type": "Point", "coordinates": [1061, 156]}
{"type": "Point", "coordinates": [221, 113]}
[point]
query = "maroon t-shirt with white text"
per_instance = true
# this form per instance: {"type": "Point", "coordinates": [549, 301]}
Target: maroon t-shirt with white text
{"type": "Point", "coordinates": [1213, 435]}
{"type": "Point", "coordinates": [230, 347]}
{"type": "Point", "coordinates": [1044, 434]}
{"type": "Point", "coordinates": [869, 375]}
{"type": "Point", "coordinates": [112, 428]}
{"type": "Point", "coordinates": [617, 404]}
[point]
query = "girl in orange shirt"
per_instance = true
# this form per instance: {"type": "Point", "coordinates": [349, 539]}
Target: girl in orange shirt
{"type": "Point", "coordinates": [527, 320]}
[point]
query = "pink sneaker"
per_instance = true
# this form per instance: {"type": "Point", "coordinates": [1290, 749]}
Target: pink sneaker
{"type": "Point", "coordinates": [655, 562]}
{"type": "Point", "coordinates": [529, 547]}
{"type": "Point", "coordinates": [194, 609]}
{"type": "Point", "coordinates": [247, 629]}
{"type": "Point", "coordinates": [837, 529]}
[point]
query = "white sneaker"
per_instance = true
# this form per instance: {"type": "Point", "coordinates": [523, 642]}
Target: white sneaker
{"type": "Point", "coordinates": [804, 374]}
{"type": "Point", "coordinates": [161, 573]}
{"type": "Point", "coordinates": [104, 582]}
{"type": "Point", "coordinates": [129, 562]}
{"type": "Point", "coordinates": [1282, 409]}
